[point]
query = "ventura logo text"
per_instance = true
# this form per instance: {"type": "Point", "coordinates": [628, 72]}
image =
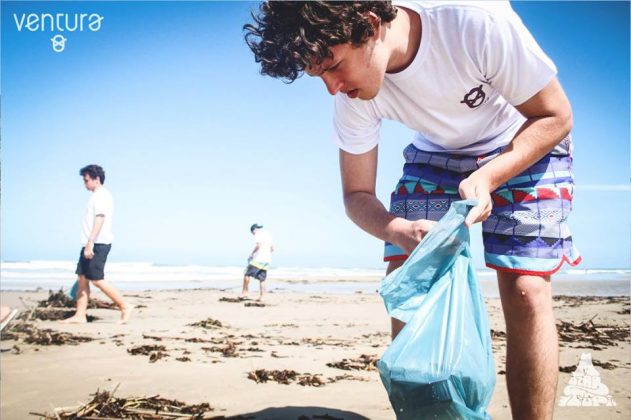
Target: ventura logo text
{"type": "Point", "coordinates": [58, 22]}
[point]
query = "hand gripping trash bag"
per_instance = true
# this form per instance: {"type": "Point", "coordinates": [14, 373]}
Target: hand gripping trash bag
{"type": "Point", "coordinates": [440, 366]}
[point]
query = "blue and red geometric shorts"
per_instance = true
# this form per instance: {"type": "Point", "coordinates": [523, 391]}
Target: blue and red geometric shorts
{"type": "Point", "coordinates": [527, 231]}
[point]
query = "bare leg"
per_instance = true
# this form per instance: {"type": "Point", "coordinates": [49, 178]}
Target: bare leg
{"type": "Point", "coordinates": [80, 316]}
{"type": "Point", "coordinates": [112, 293]}
{"type": "Point", "coordinates": [246, 286]}
{"type": "Point", "coordinates": [262, 286]}
{"type": "Point", "coordinates": [395, 325]}
{"type": "Point", "coordinates": [532, 348]}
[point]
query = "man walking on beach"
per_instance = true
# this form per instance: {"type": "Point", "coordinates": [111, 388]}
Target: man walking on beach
{"type": "Point", "coordinates": [491, 123]}
{"type": "Point", "coordinates": [96, 237]}
{"type": "Point", "coordinates": [259, 260]}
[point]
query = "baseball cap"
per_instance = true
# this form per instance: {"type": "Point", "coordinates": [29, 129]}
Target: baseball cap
{"type": "Point", "coordinates": [255, 226]}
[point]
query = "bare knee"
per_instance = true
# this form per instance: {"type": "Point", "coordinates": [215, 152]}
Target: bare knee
{"type": "Point", "coordinates": [526, 294]}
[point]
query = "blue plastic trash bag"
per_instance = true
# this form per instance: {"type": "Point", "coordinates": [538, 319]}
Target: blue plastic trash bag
{"type": "Point", "coordinates": [74, 291]}
{"type": "Point", "coordinates": [440, 366]}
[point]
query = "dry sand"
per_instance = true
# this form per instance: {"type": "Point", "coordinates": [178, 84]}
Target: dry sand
{"type": "Point", "coordinates": [294, 331]}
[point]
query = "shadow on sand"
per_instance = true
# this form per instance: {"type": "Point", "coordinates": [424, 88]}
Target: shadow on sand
{"type": "Point", "coordinates": [299, 413]}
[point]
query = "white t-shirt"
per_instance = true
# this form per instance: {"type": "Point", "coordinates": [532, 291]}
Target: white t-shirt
{"type": "Point", "coordinates": [264, 240]}
{"type": "Point", "coordinates": [100, 203]}
{"type": "Point", "coordinates": [475, 61]}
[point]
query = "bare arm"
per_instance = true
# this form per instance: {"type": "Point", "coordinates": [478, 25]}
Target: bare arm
{"type": "Point", "coordinates": [256, 248]}
{"type": "Point", "coordinates": [549, 120]}
{"type": "Point", "coordinates": [359, 173]}
{"type": "Point", "coordinates": [88, 252]}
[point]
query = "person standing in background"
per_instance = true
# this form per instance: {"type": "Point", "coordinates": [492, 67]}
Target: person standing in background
{"type": "Point", "coordinates": [259, 260]}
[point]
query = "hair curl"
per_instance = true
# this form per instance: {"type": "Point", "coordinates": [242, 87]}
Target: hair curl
{"type": "Point", "coordinates": [289, 36]}
{"type": "Point", "coordinates": [94, 172]}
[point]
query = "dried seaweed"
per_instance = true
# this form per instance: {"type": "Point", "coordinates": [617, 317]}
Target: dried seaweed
{"type": "Point", "coordinates": [105, 406]}
{"type": "Point", "coordinates": [347, 377]}
{"type": "Point", "coordinates": [311, 380]}
{"type": "Point", "coordinates": [230, 350]}
{"type": "Point", "coordinates": [363, 362]}
{"type": "Point", "coordinates": [59, 299]}
{"type": "Point", "coordinates": [51, 314]}
{"type": "Point", "coordinates": [255, 304]}
{"type": "Point", "coordinates": [208, 323]}
{"type": "Point", "coordinates": [327, 342]}
{"type": "Point", "coordinates": [154, 351]}
{"type": "Point", "coordinates": [280, 376]}
{"type": "Point", "coordinates": [28, 333]}
{"type": "Point", "coordinates": [595, 336]}
{"type": "Point", "coordinates": [232, 300]}
{"type": "Point", "coordinates": [576, 301]}
{"type": "Point", "coordinates": [498, 335]}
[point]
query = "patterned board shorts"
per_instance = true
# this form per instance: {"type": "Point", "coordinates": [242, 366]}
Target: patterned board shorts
{"type": "Point", "coordinates": [526, 232]}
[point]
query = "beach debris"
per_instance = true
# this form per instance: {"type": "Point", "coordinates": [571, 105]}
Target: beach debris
{"type": "Point", "coordinates": [281, 325]}
{"type": "Point", "coordinates": [230, 350]}
{"type": "Point", "coordinates": [255, 304]}
{"type": "Point", "coordinates": [576, 301]}
{"type": "Point", "coordinates": [604, 365]}
{"type": "Point", "coordinates": [498, 335]}
{"type": "Point", "coordinates": [117, 339]}
{"type": "Point", "coordinates": [105, 406]}
{"type": "Point", "coordinates": [363, 362]}
{"type": "Point", "coordinates": [624, 311]}
{"type": "Point", "coordinates": [28, 333]}
{"type": "Point", "coordinates": [308, 379]}
{"type": "Point", "coordinates": [208, 324]}
{"type": "Point", "coordinates": [183, 359]}
{"type": "Point", "coordinates": [280, 376]}
{"type": "Point", "coordinates": [51, 314]}
{"type": "Point", "coordinates": [60, 299]}
{"type": "Point", "coordinates": [154, 351]}
{"type": "Point", "coordinates": [347, 377]}
{"type": "Point", "coordinates": [232, 300]}
{"type": "Point", "coordinates": [304, 379]}
{"type": "Point", "coordinates": [596, 335]}
{"type": "Point", "coordinates": [327, 342]}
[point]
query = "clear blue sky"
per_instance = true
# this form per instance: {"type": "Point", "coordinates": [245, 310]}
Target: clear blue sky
{"type": "Point", "coordinates": [197, 145]}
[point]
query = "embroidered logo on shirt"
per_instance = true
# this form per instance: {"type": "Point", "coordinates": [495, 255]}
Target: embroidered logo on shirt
{"type": "Point", "coordinates": [474, 98]}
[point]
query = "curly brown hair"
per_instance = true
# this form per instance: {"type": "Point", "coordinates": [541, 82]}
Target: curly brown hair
{"type": "Point", "coordinates": [289, 36]}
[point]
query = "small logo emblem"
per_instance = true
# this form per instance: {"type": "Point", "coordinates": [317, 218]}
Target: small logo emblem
{"type": "Point", "coordinates": [584, 388]}
{"type": "Point", "coordinates": [59, 43]}
{"type": "Point", "coordinates": [474, 98]}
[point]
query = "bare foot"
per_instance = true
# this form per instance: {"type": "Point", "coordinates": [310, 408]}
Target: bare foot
{"type": "Point", "coordinates": [76, 319]}
{"type": "Point", "coordinates": [125, 314]}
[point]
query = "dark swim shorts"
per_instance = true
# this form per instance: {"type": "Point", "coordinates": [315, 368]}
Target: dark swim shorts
{"type": "Point", "coordinates": [93, 269]}
{"type": "Point", "coordinates": [256, 272]}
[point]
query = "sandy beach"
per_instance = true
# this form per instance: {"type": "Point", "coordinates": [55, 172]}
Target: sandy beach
{"type": "Point", "coordinates": [315, 335]}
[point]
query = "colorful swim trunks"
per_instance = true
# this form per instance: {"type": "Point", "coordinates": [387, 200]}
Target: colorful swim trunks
{"type": "Point", "coordinates": [526, 232]}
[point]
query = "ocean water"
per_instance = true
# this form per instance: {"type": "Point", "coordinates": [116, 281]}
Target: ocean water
{"type": "Point", "coordinates": [137, 276]}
